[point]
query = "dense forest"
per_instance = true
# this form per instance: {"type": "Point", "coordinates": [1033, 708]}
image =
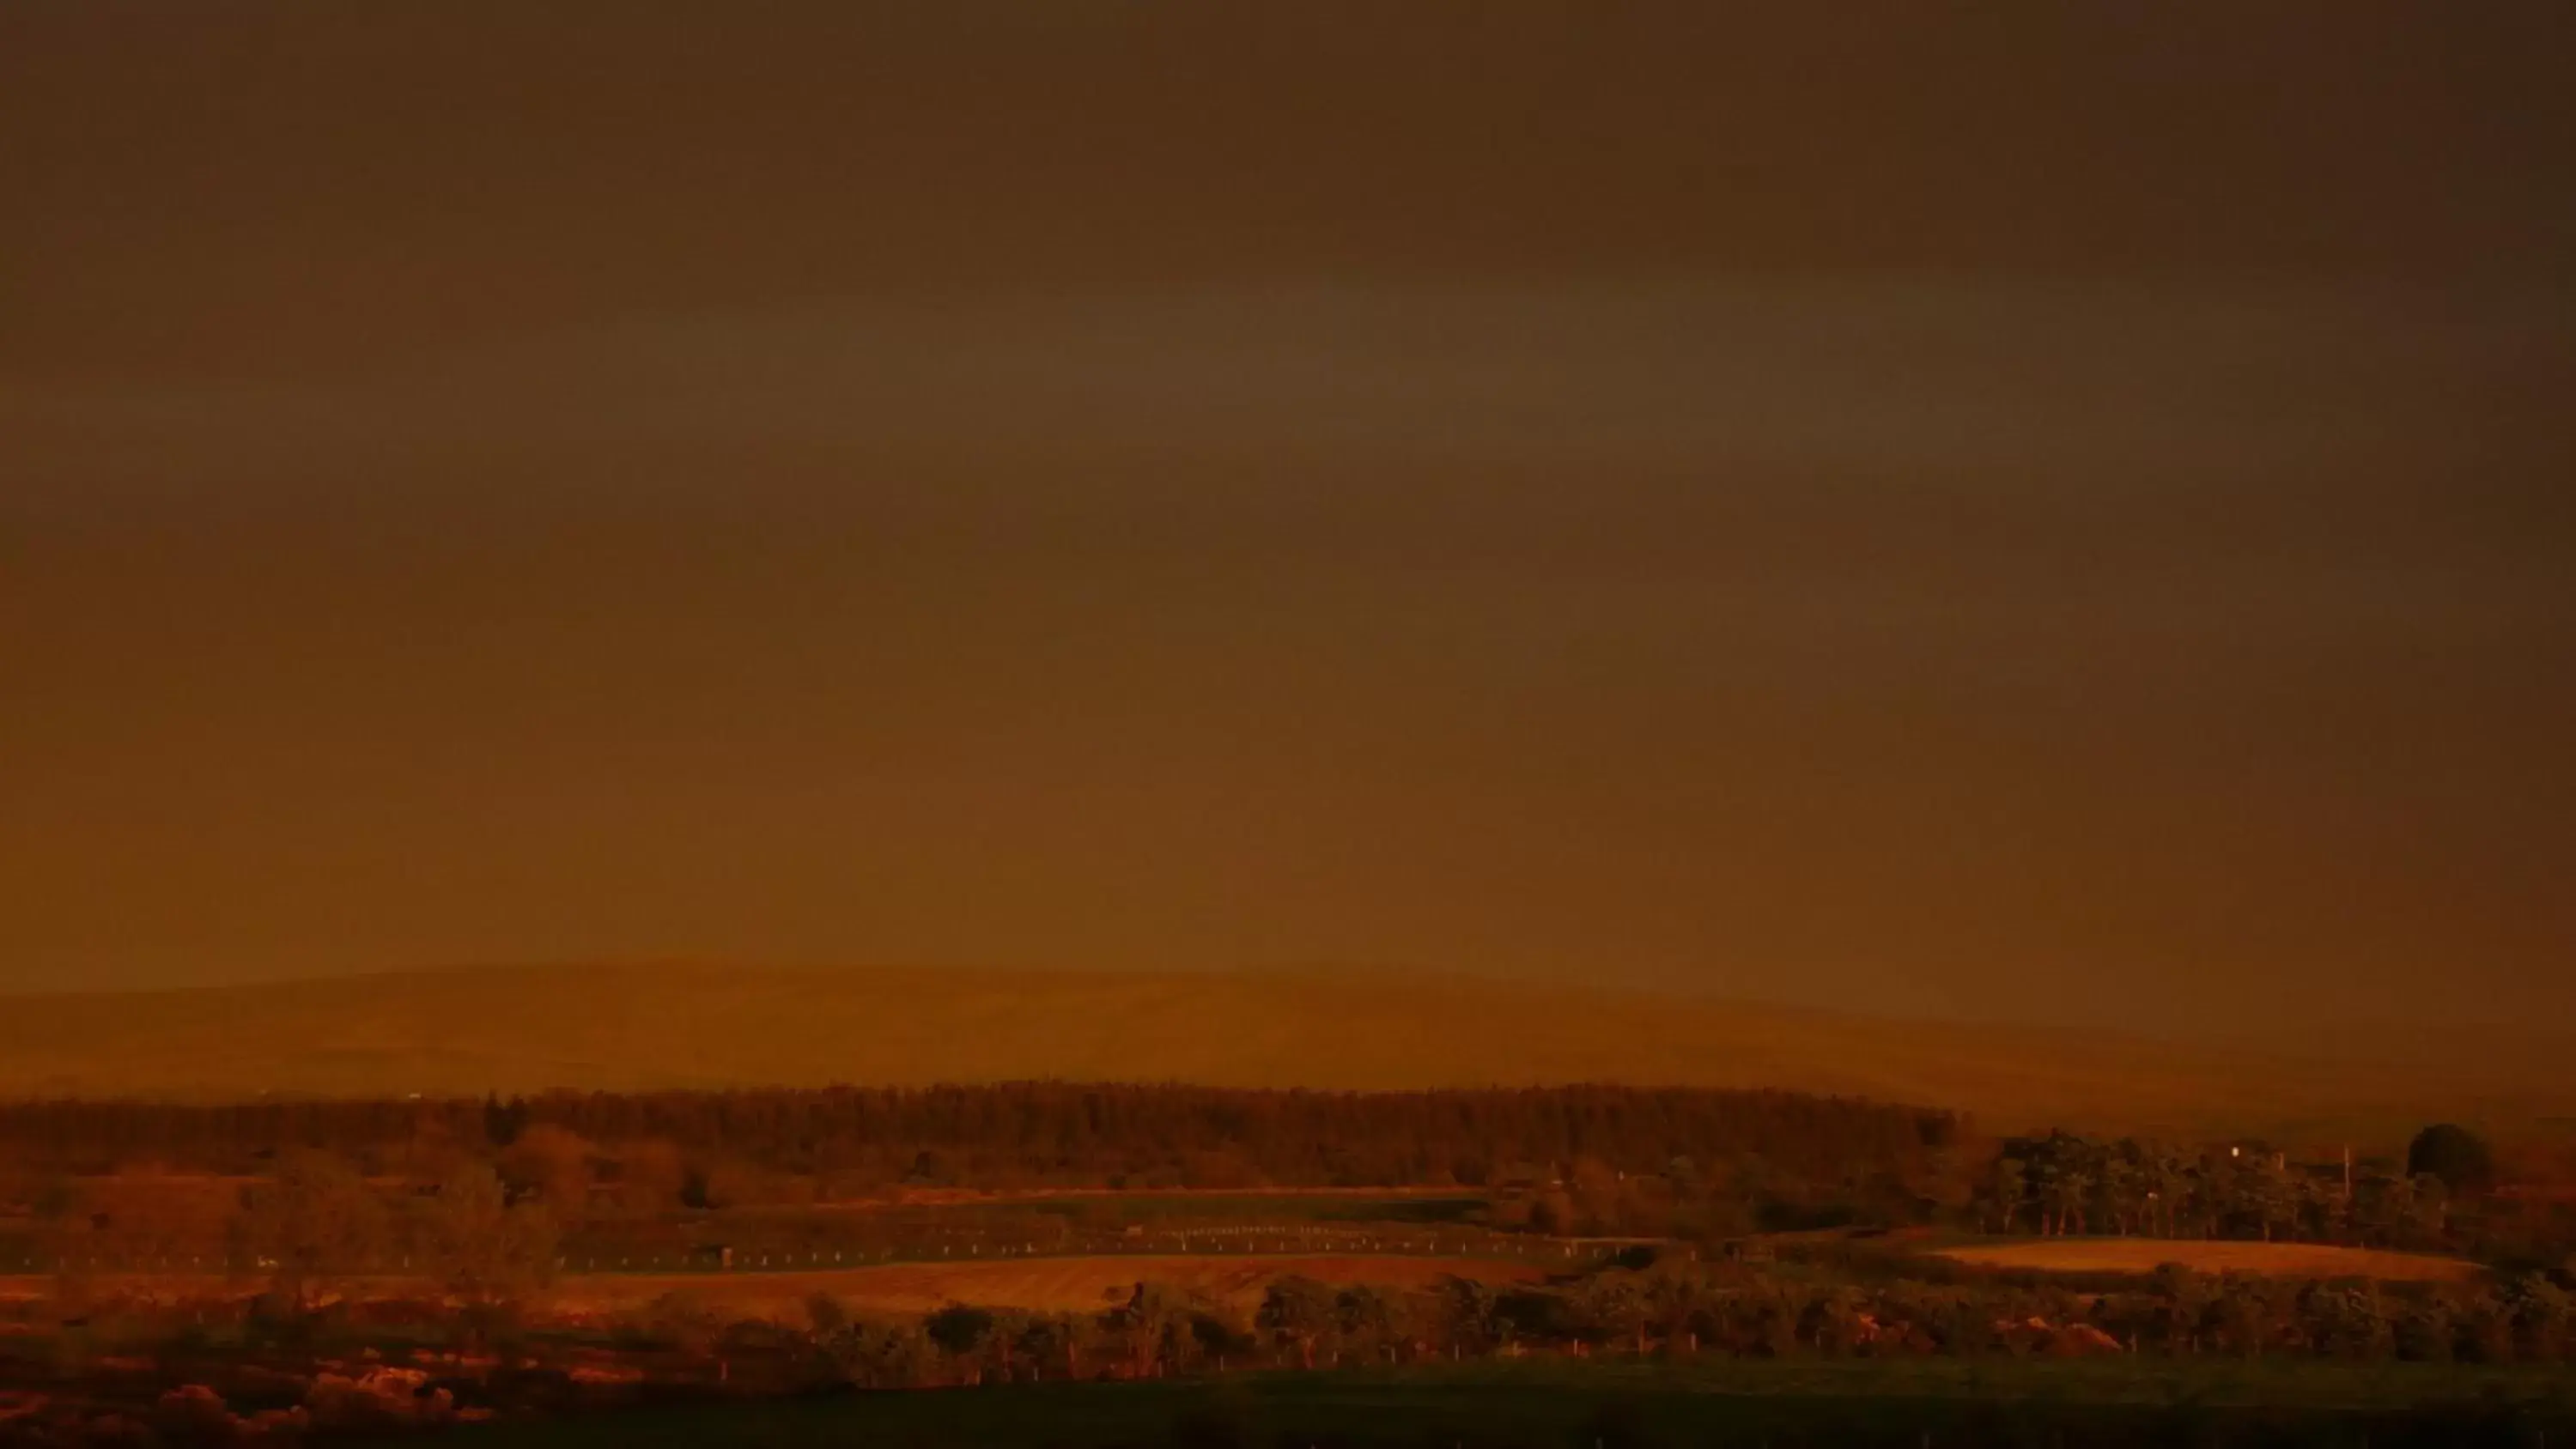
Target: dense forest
{"type": "Point", "coordinates": [851, 1141]}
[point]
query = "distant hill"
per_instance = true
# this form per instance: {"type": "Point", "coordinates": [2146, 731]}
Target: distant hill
{"type": "Point", "coordinates": [524, 1029]}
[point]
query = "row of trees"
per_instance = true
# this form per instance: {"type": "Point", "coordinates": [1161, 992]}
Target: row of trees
{"type": "Point", "coordinates": [2068, 1183]}
{"type": "Point", "coordinates": [1033, 1133]}
{"type": "Point", "coordinates": [1570, 1160]}
{"type": "Point", "coordinates": [1675, 1309]}
{"type": "Point", "coordinates": [1582, 1161]}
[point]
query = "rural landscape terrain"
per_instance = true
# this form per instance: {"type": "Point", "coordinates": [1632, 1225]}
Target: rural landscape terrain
{"type": "Point", "coordinates": [1389, 1259]}
{"type": "Point", "coordinates": [1326, 724]}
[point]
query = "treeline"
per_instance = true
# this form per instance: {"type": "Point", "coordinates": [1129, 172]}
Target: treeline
{"type": "Point", "coordinates": [2067, 1183]}
{"type": "Point", "coordinates": [1680, 1308]}
{"type": "Point", "coordinates": [855, 1140]}
{"type": "Point", "coordinates": [1667, 1306]}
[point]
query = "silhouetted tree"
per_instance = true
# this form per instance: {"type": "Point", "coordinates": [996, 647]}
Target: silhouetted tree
{"type": "Point", "coordinates": [1470, 1316]}
{"type": "Point", "coordinates": [2454, 1154]}
{"type": "Point", "coordinates": [1156, 1322]}
{"type": "Point", "coordinates": [315, 1217]}
{"type": "Point", "coordinates": [1297, 1312]}
{"type": "Point", "coordinates": [482, 1246]}
{"type": "Point", "coordinates": [2009, 1188]}
{"type": "Point", "coordinates": [962, 1333]}
{"type": "Point", "coordinates": [1368, 1320]}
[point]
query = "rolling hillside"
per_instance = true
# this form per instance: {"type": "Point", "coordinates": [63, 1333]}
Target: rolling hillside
{"type": "Point", "coordinates": [516, 1030]}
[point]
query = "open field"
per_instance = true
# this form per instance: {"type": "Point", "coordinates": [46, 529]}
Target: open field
{"type": "Point", "coordinates": [1051, 1285]}
{"type": "Point", "coordinates": [1072, 1283]}
{"type": "Point", "coordinates": [1172, 1207]}
{"type": "Point", "coordinates": [1320, 1198]}
{"type": "Point", "coordinates": [2145, 1255]}
{"type": "Point", "coordinates": [673, 1026]}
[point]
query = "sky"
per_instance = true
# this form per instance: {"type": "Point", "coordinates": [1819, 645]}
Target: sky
{"type": "Point", "coordinates": [2059, 512]}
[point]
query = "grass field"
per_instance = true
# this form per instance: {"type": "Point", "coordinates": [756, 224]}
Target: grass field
{"type": "Point", "coordinates": [1171, 1205]}
{"type": "Point", "coordinates": [2145, 1255]}
{"type": "Point", "coordinates": [1627, 1405]}
{"type": "Point", "coordinates": [1053, 1285]}
{"type": "Point", "coordinates": [1080, 1282]}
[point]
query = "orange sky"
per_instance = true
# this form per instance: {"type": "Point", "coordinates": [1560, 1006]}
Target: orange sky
{"type": "Point", "coordinates": [2056, 513]}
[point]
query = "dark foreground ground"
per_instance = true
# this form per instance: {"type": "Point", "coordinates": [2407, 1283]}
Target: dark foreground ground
{"type": "Point", "coordinates": [1579, 1406]}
